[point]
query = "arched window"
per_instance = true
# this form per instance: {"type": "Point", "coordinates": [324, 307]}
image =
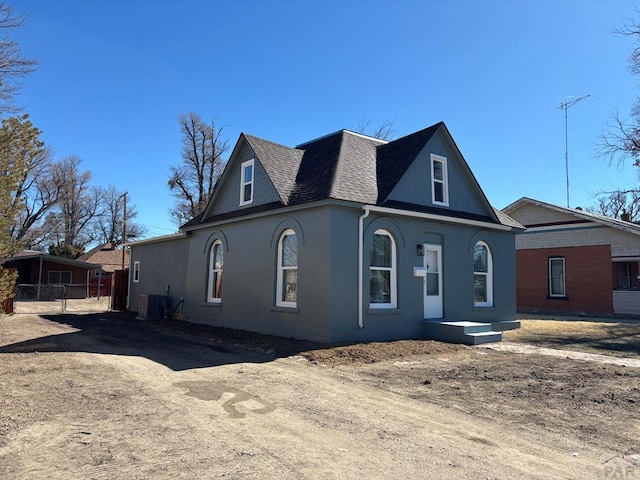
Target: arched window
{"type": "Point", "coordinates": [482, 275]}
{"type": "Point", "coordinates": [382, 271]}
{"type": "Point", "coordinates": [287, 281]}
{"type": "Point", "coordinates": [216, 263]}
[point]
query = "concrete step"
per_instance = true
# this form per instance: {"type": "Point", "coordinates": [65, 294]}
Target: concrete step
{"type": "Point", "coordinates": [485, 337]}
{"type": "Point", "coordinates": [465, 332]}
{"type": "Point", "coordinates": [469, 327]}
{"type": "Point", "coordinates": [505, 325]}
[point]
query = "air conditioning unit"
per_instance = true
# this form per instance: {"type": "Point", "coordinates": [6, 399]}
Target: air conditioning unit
{"type": "Point", "coordinates": [152, 306]}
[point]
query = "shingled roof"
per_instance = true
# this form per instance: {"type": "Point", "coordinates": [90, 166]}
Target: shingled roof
{"type": "Point", "coordinates": [395, 157]}
{"type": "Point", "coordinates": [343, 165]}
{"type": "Point", "coordinates": [278, 161]}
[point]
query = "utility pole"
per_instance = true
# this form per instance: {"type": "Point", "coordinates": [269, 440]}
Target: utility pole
{"type": "Point", "coordinates": [565, 106]}
{"type": "Point", "coordinates": [124, 227]}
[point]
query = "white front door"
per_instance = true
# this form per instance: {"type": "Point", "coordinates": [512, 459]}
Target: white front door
{"type": "Point", "coordinates": [433, 281]}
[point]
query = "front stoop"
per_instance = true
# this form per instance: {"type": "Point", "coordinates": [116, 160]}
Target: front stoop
{"type": "Point", "coordinates": [468, 333]}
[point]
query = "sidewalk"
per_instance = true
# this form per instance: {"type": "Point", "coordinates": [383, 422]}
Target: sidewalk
{"type": "Point", "coordinates": [553, 352]}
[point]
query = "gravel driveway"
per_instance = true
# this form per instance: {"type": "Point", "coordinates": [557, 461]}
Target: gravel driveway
{"type": "Point", "coordinates": [103, 396]}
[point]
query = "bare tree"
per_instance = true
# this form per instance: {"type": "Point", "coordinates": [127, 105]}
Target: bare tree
{"type": "Point", "coordinates": [192, 182]}
{"type": "Point", "coordinates": [108, 226]}
{"type": "Point", "coordinates": [620, 138]}
{"type": "Point", "coordinates": [618, 203]}
{"type": "Point", "coordinates": [77, 206]}
{"type": "Point", "coordinates": [385, 130]}
{"type": "Point", "coordinates": [12, 65]}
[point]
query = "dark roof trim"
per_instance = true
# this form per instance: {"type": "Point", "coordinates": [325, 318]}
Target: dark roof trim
{"type": "Point", "coordinates": [53, 259]}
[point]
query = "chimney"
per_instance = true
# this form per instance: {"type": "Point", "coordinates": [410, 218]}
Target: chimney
{"type": "Point", "coordinates": [625, 217]}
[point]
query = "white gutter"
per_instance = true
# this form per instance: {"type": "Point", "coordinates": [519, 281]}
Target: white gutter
{"type": "Point", "coordinates": [366, 209]}
{"type": "Point", "coordinates": [431, 216]}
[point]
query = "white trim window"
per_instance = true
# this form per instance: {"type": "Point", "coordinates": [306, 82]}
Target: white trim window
{"type": "Point", "coordinates": [287, 276]}
{"type": "Point", "coordinates": [482, 276]}
{"type": "Point", "coordinates": [136, 271]}
{"type": "Point", "coordinates": [216, 264]}
{"type": "Point", "coordinates": [557, 277]}
{"type": "Point", "coordinates": [246, 182]}
{"type": "Point", "coordinates": [439, 180]}
{"type": "Point", "coordinates": [382, 271]}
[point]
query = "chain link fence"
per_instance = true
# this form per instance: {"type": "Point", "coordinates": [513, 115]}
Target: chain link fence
{"type": "Point", "coordinates": [48, 298]}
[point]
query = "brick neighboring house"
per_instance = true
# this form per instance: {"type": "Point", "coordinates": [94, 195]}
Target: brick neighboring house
{"type": "Point", "coordinates": [572, 261]}
{"type": "Point", "coordinates": [107, 255]}
{"type": "Point", "coordinates": [110, 258]}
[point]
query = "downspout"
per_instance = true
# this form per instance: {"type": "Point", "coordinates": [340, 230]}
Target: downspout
{"type": "Point", "coordinates": [361, 261]}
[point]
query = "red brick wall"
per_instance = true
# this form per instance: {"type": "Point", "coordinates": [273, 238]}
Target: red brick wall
{"type": "Point", "coordinates": [588, 280]}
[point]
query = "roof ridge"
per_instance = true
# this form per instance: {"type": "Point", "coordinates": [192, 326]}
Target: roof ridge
{"type": "Point", "coordinates": [365, 136]}
{"type": "Point", "coordinates": [268, 141]}
{"type": "Point", "coordinates": [328, 135]}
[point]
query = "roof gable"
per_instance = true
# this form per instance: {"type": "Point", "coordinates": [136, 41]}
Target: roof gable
{"type": "Point", "coordinates": [226, 194]}
{"type": "Point", "coordinates": [395, 157]}
{"type": "Point", "coordinates": [106, 255]}
{"type": "Point", "coordinates": [408, 161]}
{"type": "Point", "coordinates": [532, 213]}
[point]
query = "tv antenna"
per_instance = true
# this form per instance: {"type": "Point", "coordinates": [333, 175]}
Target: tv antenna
{"type": "Point", "coordinates": [565, 106]}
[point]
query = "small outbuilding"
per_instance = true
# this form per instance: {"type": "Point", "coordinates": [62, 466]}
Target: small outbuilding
{"type": "Point", "coordinates": [40, 275]}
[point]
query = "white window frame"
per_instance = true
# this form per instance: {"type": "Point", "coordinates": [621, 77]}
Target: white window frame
{"type": "Point", "coordinates": [393, 287]}
{"type": "Point", "coordinates": [136, 271]}
{"type": "Point", "coordinates": [564, 278]}
{"type": "Point", "coordinates": [243, 183]}
{"type": "Point", "coordinates": [211, 290]}
{"type": "Point", "coordinates": [280, 272]}
{"type": "Point", "coordinates": [489, 277]}
{"type": "Point", "coordinates": [444, 181]}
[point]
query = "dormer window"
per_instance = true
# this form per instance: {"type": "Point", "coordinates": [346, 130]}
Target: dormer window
{"type": "Point", "coordinates": [246, 183]}
{"type": "Point", "coordinates": [439, 180]}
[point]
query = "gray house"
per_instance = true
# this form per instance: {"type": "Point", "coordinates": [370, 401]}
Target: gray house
{"type": "Point", "coordinates": [343, 238]}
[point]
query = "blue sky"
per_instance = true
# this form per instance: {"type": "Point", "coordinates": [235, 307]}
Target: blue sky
{"type": "Point", "coordinates": [114, 76]}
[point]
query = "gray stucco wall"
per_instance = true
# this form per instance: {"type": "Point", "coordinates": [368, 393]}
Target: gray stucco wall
{"type": "Point", "coordinates": [249, 276]}
{"type": "Point", "coordinates": [457, 269]}
{"type": "Point", "coordinates": [327, 304]}
{"type": "Point", "coordinates": [162, 264]}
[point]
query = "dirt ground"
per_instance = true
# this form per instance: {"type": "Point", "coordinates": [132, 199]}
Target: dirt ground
{"type": "Point", "coordinates": [104, 396]}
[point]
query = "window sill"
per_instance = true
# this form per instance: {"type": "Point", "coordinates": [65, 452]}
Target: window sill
{"type": "Point", "coordinates": [212, 304]}
{"type": "Point", "coordinates": [549, 297]}
{"type": "Point", "coordinates": [384, 311]}
{"type": "Point", "coordinates": [483, 306]}
{"type": "Point", "coordinates": [295, 310]}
